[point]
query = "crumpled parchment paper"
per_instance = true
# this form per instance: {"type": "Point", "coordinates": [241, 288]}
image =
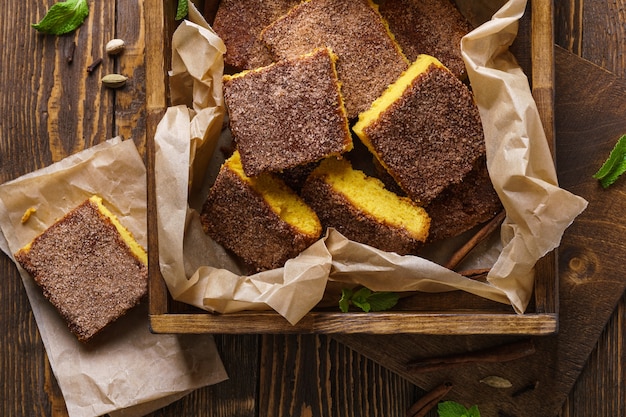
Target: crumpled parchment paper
{"type": "Point", "coordinates": [125, 370]}
{"type": "Point", "coordinates": [199, 272]}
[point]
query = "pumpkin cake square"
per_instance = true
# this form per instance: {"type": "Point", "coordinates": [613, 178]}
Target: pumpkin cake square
{"type": "Point", "coordinates": [369, 58]}
{"type": "Point", "coordinates": [287, 114]}
{"type": "Point", "coordinates": [362, 209]}
{"type": "Point", "coordinates": [259, 219]}
{"type": "Point", "coordinates": [89, 266]}
{"type": "Point", "coordinates": [425, 130]}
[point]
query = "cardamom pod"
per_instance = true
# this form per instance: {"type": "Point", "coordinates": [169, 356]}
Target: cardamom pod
{"type": "Point", "coordinates": [115, 46]}
{"type": "Point", "coordinates": [496, 382]}
{"type": "Point", "coordinates": [114, 80]}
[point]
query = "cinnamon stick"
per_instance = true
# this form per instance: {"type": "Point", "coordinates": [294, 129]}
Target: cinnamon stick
{"type": "Point", "coordinates": [481, 235]}
{"type": "Point", "coordinates": [422, 406]}
{"type": "Point", "coordinates": [502, 353]}
{"type": "Point", "coordinates": [477, 274]}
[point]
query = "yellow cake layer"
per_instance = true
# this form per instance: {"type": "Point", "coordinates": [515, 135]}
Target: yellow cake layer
{"type": "Point", "coordinates": [370, 196]}
{"type": "Point", "coordinates": [392, 94]}
{"type": "Point", "coordinates": [126, 235]}
{"type": "Point", "coordinates": [280, 198]}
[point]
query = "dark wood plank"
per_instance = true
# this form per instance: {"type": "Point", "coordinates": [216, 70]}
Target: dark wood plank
{"type": "Point", "coordinates": [595, 30]}
{"type": "Point", "coordinates": [50, 109]}
{"type": "Point", "coordinates": [308, 375]}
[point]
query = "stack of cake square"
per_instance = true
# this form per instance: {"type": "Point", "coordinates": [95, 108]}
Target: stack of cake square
{"type": "Point", "coordinates": [339, 68]}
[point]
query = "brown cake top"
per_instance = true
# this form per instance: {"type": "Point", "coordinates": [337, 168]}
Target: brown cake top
{"type": "Point", "coordinates": [287, 114]}
{"type": "Point", "coordinates": [432, 27]}
{"type": "Point", "coordinates": [239, 23]}
{"type": "Point", "coordinates": [430, 136]}
{"type": "Point", "coordinates": [86, 269]}
{"type": "Point", "coordinates": [369, 59]}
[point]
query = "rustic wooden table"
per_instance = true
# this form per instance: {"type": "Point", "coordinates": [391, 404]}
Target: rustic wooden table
{"type": "Point", "coordinates": [50, 108]}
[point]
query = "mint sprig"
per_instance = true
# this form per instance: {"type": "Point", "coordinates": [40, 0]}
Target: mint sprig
{"type": "Point", "coordinates": [182, 9]}
{"type": "Point", "coordinates": [63, 17]}
{"type": "Point", "coordinates": [454, 409]}
{"type": "Point", "coordinates": [367, 300]}
{"type": "Point", "coordinates": [614, 166]}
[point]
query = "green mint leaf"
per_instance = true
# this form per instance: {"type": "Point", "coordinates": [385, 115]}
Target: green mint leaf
{"type": "Point", "coordinates": [362, 304]}
{"type": "Point", "coordinates": [63, 17]}
{"type": "Point", "coordinates": [344, 302]}
{"type": "Point", "coordinates": [381, 301]}
{"type": "Point", "coordinates": [454, 409]}
{"type": "Point", "coordinates": [614, 166]}
{"type": "Point", "coordinates": [367, 300]}
{"type": "Point", "coordinates": [473, 411]}
{"type": "Point", "coordinates": [360, 299]}
{"type": "Point", "coordinates": [182, 10]}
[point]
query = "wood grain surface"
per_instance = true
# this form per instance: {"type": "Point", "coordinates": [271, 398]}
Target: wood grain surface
{"type": "Point", "coordinates": [50, 109]}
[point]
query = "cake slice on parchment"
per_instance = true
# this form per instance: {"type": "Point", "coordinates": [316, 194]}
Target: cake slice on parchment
{"type": "Point", "coordinates": [425, 130]}
{"type": "Point", "coordinates": [369, 58]}
{"type": "Point", "coordinates": [259, 219]}
{"type": "Point", "coordinates": [363, 210]}
{"type": "Point", "coordinates": [287, 114]}
{"type": "Point", "coordinates": [89, 266]}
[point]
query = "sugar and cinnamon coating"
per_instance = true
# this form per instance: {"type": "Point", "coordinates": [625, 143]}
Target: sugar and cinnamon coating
{"type": "Point", "coordinates": [86, 270]}
{"type": "Point", "coordinates": [432, 27]}
{"type": "Point", "coordinates": [430, 137]}
{"type": "Point", "coordinates": [369, 59]}
{"type": "Point", "coordinates": [239, 23]}
{"type": "Point", "coordinates": [287, 114]}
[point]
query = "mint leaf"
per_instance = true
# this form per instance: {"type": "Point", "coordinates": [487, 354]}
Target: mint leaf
{"type": "Point", "coordinates": [451, 409]}
{"type": "Point", "coordinates": [344, 302]}
{"type": "Point", "coordinates": [614, 166]}
{"type": "Point", "coordinates": [182, 9]}
{"type": "Point", "coordinates": [454, 409]}
{"type": "Point", "coordinates": [360, 297]}
{"type": "Point", "coordinates": [63, 17]}
{"type": "Point", "coordinates": [473, 411]}
{"type": "Point", "coordinates": [380, 301]}
{"type": "Point", "coordinates": [367, 300]}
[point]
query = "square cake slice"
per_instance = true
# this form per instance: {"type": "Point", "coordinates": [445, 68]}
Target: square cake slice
{"type": "Point", "coordinates": [363, 210]}
{"type": "Point", "coordinates": [425, 130]}
{"type": "Point", "coordinates": [287, 114]}
{"type": "Point", "coordinates": [259, 219]}
{"type": "Point", "coordinates": [89, 266]}
{"type": "Point", "coordinates": [431, 27]}
{"type": "Point", "coordinates": [369, 58]}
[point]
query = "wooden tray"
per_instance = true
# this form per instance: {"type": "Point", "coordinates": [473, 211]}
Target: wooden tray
{"type": "Point", "coordinates": [455, 313]}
